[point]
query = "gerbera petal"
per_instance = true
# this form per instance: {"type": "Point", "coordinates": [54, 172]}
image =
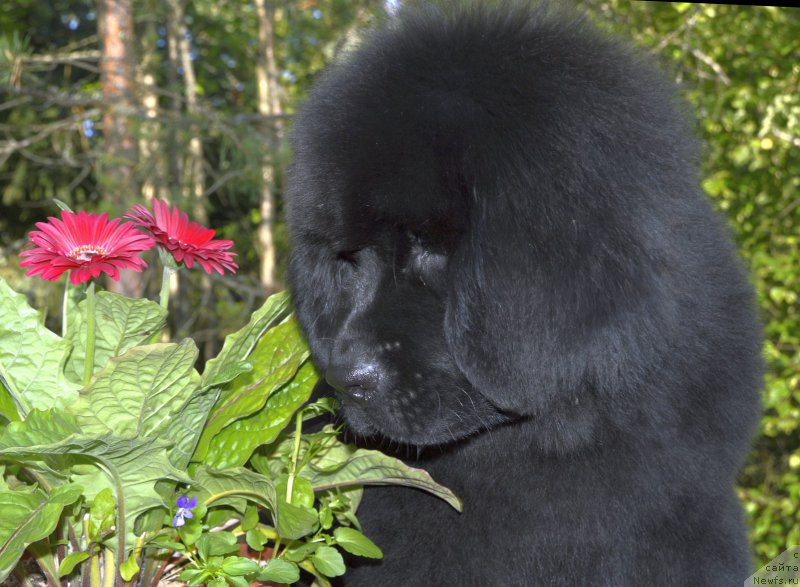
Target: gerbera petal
{"type": "Point", "coordinates": [86, 243]}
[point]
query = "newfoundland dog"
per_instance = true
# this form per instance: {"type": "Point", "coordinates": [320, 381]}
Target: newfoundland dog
{"type": "Point", "coordinates": [507, 271]}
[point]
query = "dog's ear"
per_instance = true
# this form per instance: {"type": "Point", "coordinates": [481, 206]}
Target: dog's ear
{"type": "Point", "coordinates": [556, 287]}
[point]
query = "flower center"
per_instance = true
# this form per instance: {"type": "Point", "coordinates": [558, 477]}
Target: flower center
{"type": "Point", "coordinates": [86, 252]}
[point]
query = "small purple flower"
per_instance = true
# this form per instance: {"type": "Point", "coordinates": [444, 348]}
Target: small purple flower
{"type": "Point", "coordinates": [184, 510]}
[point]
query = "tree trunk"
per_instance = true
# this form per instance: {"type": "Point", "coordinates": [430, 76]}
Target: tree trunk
{"type": "Point", "coordinates": [151, 152]}
{"type": "Point", "coordinates": [269, 107]}
{"type": "Point", "coordinates": [194, 184]}
{"type": "Point", "coordinates": [117, 182]}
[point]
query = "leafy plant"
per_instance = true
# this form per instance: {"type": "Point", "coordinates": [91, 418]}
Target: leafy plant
{"type": "Point", "coordinates": [121, 462]}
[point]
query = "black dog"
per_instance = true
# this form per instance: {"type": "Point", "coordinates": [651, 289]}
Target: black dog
{"type": "Point", "coordinates": [502, 256]}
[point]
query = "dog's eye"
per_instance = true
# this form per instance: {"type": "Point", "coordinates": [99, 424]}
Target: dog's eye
{"type": "Point", "coordinates": [350, 257]}
{"type": "Point", "coordinates": [428, 266]}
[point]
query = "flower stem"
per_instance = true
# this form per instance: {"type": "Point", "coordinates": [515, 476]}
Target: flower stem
{"type": "Point", "coordinates": [64, 306]}
{"type": "Point", "coordinates": [298, 432]}
{"type": "Point", "coordinates": [163, 297]}
{"type": "Point", "coordinates": [94, 565]}
{"type": "Point", "coordinates": [89, 364]}
{"type": "Point", "coordinates": [109, 568]}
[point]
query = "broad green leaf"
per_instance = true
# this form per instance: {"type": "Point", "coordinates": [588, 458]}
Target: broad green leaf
{"type": "Point", "coordinates": [255, 539]}
{"type": "Point", "coordinates": [8, 409]}
{"type": "Point", "coordinates": [129, 568]}
{"type": "Point", "coordinates": [121, 323]}
{"type": "Point", "coordinates": [194, 576]}
{"type": "Point", "coordinates": [233, 487]}
{"type": "Point", "coordinates": [276, 358]}
{"type": "Point", "coordinates": [302, 491]}
{"type": "Point", "coordinates": [280, 571]}
{"type": "Point", "coordinates": [186, 426]}
{"type": "Point", "coordinates": [69, 562]}
{"type": "Point", "coordinates": [356, 543]}
{"type": "Point", "coordinates": [137, 466]}
{"type": "Point", "coordinates": [370, 467]}
{"type": "Point", "coordinates": [238, 346]}
{"type": "Point", "coordinates": [238, 566]}
{"type": "Point", "coordinates": [31, 357]}
{"type": "Point", "coordinates": [234, 444]}
{"type": "Point", "coordinates": [295, 521]}
{"type": "Point", "coordinates": [102, 514]}
{"type": "Point", "coordinates": [96, 462]}
{"type": "Point", "coordinates": [300, 552]}
{"type": "Point", "coordinates": [216, 544]}
{"type": "Point", "coordinates": [328, 561]}
{"type": "Point", "coordinates": [249, 519]}
{"type": "Point", "coordinates": [325, 517]}
{"type": "Point", "coordinates": [162, 542]}
{"type": "Point", "coordinates": [28, 516]}
{"type": "Point", "coordinates": [192, 529]}
{"type": "Point", "coordinates": [137, 394]}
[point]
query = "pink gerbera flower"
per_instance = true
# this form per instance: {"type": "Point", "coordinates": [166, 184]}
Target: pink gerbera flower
{"type": "Point", "coordinates": [85, 244]}
{"type": "Point", "coordinates": [188, 242]}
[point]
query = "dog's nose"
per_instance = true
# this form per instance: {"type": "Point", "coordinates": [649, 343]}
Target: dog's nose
{"type": "Point", "coordinates": [358, 381]}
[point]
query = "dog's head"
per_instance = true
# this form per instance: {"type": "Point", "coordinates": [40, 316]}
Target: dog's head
{"type": "Point", "coordinates": [480, 207]}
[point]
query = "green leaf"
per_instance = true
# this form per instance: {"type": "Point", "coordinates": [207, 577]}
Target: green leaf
{"type": "Point", "coordinates": [356, 543]}
{"type": "Point", "coordinates": [96, 462]}
{"type": "Point", "coordinates": [325, 517]}
{"type": "Point", "coordinates": [233, 487]}
{"type": "Point", "coordinates": [301, 552]}
{"type": "Point", "coordinates": [129, 568]}
{"type": "Point", "coordinates": [234, 444]}
{"type": "Point", "coordinates": [137, 394]}
{"type": "Point", "coordinates": [8, 409]}
{"type": "Point", "coordinates": [249, 520]}
{"type": "Point", "coordinates": [280, 571]}
{"type": "Point", "coordinates": [216, 544]}
{"type": "Point", "coordinates": [294, 521]}
{"type": "Point", "coordinates": [28, 515]}
{"type": "Point", "coordinates": [162, 542]}
{"type": "Point", "coordinates": [217, 583]}
{"type": "Point", "coordinates": [238, 581]}
{"type": "Point", "coordinates": [193, 576]}
{"type": "Point", "coordinates": [187, 426]}
{"type": "Point", "coordinates": [328, 561]}
{"type": "Point", "coordinates": [70, 561]}
{"type": "Point", "coordinates": [302, 491]}
{"type": "Point", "coordinates": [238, 566]}
{"type": "Point", "coordinates": [370, 467]}
{"type": "Point", "coordinates": [238, 346]}
{"type": "Point", "coordinates": [191, 531]}
{"type": "Point", "coordinates": [255, 539]}
{"type": "Point", "coordinates": [102, 515]}
{"type": "Point", "coordinates": [121, 323]}
{"type": "Point", "coordinates": [31, 357]}
{"type": "Point", "coordinates": [275, 359]}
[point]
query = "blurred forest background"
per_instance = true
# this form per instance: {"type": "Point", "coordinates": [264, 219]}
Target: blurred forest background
{"type": "Point", "coordinates": [106, 103]}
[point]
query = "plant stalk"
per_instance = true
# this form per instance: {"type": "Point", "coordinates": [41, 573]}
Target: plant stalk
{"type": "Point", "coordinates": [90, 327]}
{"type": "Point", "coordinates": [298, 433]}
{"type": "Point", "coordinates": [163, 296]}
{"type": "Point", "coordinates": [64, 308]}
{"type": "Point", "coordinates": [109, 569]}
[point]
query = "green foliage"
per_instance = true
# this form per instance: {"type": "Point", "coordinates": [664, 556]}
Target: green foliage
{"type": "Point", "coordinates": [105, 463]}
{"type": "Point", "coordinates": [31, 359]}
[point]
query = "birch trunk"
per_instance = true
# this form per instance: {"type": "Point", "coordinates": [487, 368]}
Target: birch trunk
{"type": "Point", "coordinates": [269, 107]}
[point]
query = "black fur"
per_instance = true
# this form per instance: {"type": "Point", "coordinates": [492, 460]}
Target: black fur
{"type": "Point", "coordinates": [502, 257]}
